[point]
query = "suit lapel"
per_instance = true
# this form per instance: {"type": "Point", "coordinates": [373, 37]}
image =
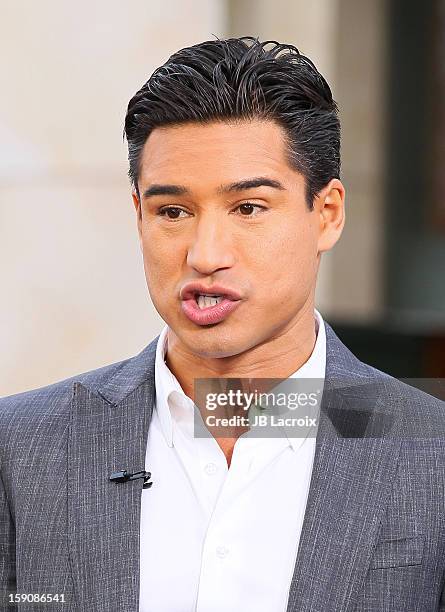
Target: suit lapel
{"type": "Point", "coordinates": [108, 432]}
{"type": "Point", "coordinates": [354, 464]}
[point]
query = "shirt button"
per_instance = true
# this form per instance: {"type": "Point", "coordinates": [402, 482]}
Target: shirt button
{"type": "Point", "coordinates": [222, 552]}
{"type": "Point", "coordinates": [211, 469]}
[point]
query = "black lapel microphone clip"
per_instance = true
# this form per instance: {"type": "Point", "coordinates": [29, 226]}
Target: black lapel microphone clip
{"type": "Point", "coordinates": [124, 476]}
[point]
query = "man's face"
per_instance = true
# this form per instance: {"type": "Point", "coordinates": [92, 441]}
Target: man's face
{"type": "Point", "coordinates": [261, 242]}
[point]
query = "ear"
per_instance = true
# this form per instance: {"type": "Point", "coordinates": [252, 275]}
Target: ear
{"type": "Point", "coordinates": [137, 206]}
{"type": "Point", "coordinates": [330, 205]}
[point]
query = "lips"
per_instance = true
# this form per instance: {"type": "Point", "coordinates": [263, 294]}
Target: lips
{"type": "Point", "coordinates": [191, 290]}
{"type": "Point", "coordinates": [211, 314]}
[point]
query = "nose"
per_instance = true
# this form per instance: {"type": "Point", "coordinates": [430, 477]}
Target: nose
{"type": "Point", "coordinates": [212, 246]}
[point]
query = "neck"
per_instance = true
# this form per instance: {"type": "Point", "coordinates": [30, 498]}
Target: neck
{"type": "Point", "coordinates": [280, 357]}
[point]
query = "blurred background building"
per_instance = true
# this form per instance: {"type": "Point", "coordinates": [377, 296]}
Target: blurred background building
{"type": "Point", "coordinates": [72, 283]}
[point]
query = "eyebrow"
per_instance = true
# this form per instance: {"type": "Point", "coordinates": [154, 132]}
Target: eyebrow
{"type": "Point", "coordinates": [251, 183]}
{"type": "Point", "coordinates": [157, 190]}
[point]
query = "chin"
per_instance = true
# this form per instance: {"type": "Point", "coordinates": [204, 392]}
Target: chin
{"type": "Point", "coordinates": [217, 343]}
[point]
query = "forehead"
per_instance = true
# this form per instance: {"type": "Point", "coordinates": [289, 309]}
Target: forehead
{"type": "Point", "coordinates": [216, 152]}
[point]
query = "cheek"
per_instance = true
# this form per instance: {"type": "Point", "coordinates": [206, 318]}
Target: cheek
{"type": "Point", "coordinates": [290, 246]}
{"type": "Point", "coordinates": [159, 261]}
{"type": "Point", "coordinates": [287, 260]}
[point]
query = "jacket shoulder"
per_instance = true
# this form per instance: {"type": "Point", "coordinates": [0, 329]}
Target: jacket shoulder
{"type": "Point", "coordinates": [55, 399]}
{"type": "Point", "coordinates": [392, 405]}
{"type": "Point", "coordinates": [32, 421]}
{"type": "Point", "coordinates": [416, 413]}
{"type": "Point", "coordinates": [405, 388]}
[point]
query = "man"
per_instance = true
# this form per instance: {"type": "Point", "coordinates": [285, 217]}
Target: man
{"type": "Point", "coordinates": [234, 160]}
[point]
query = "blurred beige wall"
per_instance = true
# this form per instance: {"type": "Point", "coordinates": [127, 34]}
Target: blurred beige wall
{"type": "Point", "coordinates": [72, 284]}
{"type": "Point", "coordinates": [357, 262]}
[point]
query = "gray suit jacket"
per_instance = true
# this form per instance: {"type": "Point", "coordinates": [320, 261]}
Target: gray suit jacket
{"type": "Point", "coordinates": [373, 537]}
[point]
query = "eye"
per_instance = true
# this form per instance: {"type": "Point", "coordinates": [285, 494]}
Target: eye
{"type": "Point", "coordinates": [171, 212]}
{"type": "Point", "coordinates": [247, 208]}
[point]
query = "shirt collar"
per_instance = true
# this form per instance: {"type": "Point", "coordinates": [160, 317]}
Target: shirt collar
{"type": "Point", "coordinates": [171, 401]}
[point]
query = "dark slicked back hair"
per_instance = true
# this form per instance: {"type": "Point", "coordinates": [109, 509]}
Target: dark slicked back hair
{"type": "Point", "coordinates": [243, 78]}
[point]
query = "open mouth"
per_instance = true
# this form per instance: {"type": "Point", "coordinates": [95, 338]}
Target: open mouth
{"type": "Point", "coordinates": [207, 301]}
{"type": "Point", "coordinates": [207, 309]}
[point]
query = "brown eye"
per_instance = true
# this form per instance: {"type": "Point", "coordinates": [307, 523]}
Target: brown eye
{"type": "Point", "coordinates": [172, 212]}
{"type": "Point", "coordinates": [246, 209]}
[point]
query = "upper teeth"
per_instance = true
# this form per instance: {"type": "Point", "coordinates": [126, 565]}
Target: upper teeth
{"type": "Point", "coordinates": [204, 301]}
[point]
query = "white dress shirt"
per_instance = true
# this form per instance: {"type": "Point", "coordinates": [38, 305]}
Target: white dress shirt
{"type": "Point", "coordinates": [214, 538]}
